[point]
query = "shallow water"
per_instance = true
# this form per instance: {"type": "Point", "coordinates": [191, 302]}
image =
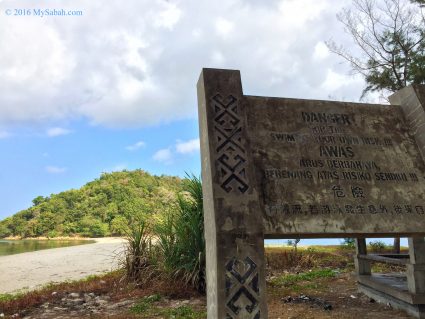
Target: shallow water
{"type": "Point", "coordinates": [328, 241]}
{"type": "Point", "coordinates": [11, 247]}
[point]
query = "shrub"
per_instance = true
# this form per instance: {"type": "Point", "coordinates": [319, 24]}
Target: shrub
{"type": "Point", "coordinates": [173, 246]}
{"type": "Point", "coordinates": [377, 246]}
{"type": "Point", "coordinates": [140, 262]}
{"type": "Point", "coordinates": [181, 236]}
{"type": "Point", "coordinates": [4, 231]}
{"type": "Point", "coordinates": [349, 243]}
{"type": "Point", "coordinates": [294, 243]}
{"type": "Point", "coordinates": [86, 225]}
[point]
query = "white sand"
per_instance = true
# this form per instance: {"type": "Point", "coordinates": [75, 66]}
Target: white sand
{"type": "Point", "coordinates": [34, 269]}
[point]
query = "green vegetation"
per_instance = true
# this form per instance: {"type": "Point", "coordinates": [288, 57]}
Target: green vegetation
{"type": "Point", "coordinates": [313, 257]}
{"type": "Point", "coordinates": [378, 246]}
{"type": "Point", "coordinates": [290, 279]}
{"type": "Point", "coordinates": [9, 297]}
{"type": "Point", "coordinates": [181, 236]}
{"type": "Point", "coordinates": [389, 40]}
{"type": "Point", "coordinates": [148, 307]}
{"type": "Point", "coordinates": [179, 249]}
{"type": "Point", "coordinates": [103, 207]}
{"type": "Point", "coordinates": [294, 243]}
{"type": "Point", "coordinates": [145, 304]}
{"type": "Point", "coordinates": [349, 243]}
{"type": "Point", "coordinates": [160, 216]}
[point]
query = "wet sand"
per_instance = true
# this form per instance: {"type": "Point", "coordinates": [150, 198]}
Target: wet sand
{"type": "Point", "coordinates": [31, 270]}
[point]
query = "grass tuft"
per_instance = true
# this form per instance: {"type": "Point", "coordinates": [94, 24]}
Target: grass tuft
{"type": "Point", "coordinates": [148, 307]}
{"type": "Point", "coordinates": [145, 304]}
{"type": "Point", "coordinates": [291, 279]}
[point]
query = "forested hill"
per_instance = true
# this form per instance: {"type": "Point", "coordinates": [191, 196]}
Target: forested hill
{"type": "Point", "coordinates": [102, 207]}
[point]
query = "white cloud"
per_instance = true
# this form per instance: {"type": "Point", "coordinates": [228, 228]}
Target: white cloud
{"type": "Point", "coordinates": [167, 155]}
{"type": "Point", "coordinates": [335, 81]}
{"type": "Point", "coordinates": [223, 26]}
{"type": "Point", "coordinates": [321, 51]}
{"type": "Point", "coordinates": [57, 131]}
{"type": "Point", "coordinates": [55, 169]}
{"type": "Point", "coordinates": [163, 156]}
{"type": "Point", "coordinates": [169, 16]}
{"type": "Point", "coordinates": [135, 146]}
{"type": "Point", "coordinates": [140, 67]}
{"type": "Point", "coordinates": [188, 147]}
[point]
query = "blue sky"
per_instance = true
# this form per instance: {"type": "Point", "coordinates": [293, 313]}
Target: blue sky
{"type": "Point", "coordinates": [39, 162]}
{"type": "Point", "coordinates": [115, 88]}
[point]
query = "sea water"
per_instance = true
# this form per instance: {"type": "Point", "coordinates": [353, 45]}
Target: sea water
{"type": "Point", "coordinates": [11, 247]}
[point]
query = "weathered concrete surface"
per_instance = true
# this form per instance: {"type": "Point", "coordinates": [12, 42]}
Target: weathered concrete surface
{"type": "Point", "coordinates": [233, 222]}
{"type": "Point", "coordinates": [286, 168]}
{"type": "Point", "coordinates": [412, 101]}
{"type": "Point", "coordinates": [418, 310]}
{"type": "Point", "coordinates": [327, 168]}
{"type": "Point", "coordinates": [363, 267]}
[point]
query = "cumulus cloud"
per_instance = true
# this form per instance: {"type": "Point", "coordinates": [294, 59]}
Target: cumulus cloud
{"type": "Point", "coordinates": [55, 169]}
{"type": "Point", "coordinates": [163, 156]}
{"type": "Point", "coordinates": [139, 67]}
{"type": "Point", "coordinates": [167, 155]}
{"type": "Point", "coordinates": [188, 147]}
{"type": "Point", "coordinates": [135, 146]}
{"type": "Point", "coordinates": [57, 131]}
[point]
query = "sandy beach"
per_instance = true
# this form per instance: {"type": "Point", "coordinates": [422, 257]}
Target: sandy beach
{"type": "Point", "coordinates": [34, 269]}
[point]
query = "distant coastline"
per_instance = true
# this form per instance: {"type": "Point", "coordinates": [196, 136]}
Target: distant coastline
{"type": "Point", "coordinates": [54, 238]}
{"type": "Point", "coordinates": [32, 269]}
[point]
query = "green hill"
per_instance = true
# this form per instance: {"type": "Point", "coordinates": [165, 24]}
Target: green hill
{"type": "Point", "coordinates": [102, 207]}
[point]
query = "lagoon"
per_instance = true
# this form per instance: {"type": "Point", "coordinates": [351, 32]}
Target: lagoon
{"type": "Point", "coordinates": [12, 247]}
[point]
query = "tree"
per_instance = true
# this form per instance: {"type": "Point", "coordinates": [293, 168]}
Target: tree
{"type": "Point", "coordinates": [39, 200]}
{"type": "Point", "coordinates": [349, 242]}
{"type": "Point", "coordinates": [93, 209]}
{"type": "Point", "coordinates": [294, 243]}
{"type": "Point", "coordinates": [390, 38]}
{"type": "Point", "coordinates": [419, 2]}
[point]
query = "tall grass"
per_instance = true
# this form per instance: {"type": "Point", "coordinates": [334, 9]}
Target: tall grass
{"type": "Point", "coordinates": [174, 246]}
{"type": "Point", "coordinates": [140, 261]}
{"type": "Point", "coordinates": [181, 236]}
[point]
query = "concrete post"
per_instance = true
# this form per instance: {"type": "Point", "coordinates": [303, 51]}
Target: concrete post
{"type": "Point", "coordinates": [412, 101]}
{"type": "Point", "coordinates": [363, 267]}
{"type": "Point", "coordinates": [416, 270]}
{"type": "Point", "coordinates": [236, 287]}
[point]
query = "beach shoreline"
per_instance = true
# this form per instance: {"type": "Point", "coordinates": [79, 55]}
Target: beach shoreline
{"type": "Point", "coordinates": [59, 238]}
{"type": "Point", "coordinates": [32, 270]}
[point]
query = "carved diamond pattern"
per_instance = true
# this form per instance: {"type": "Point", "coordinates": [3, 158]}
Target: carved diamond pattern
{"type": "Point", "coordinates": [231, 162]}
{"type": "Point", "coordinates": [242, 288]}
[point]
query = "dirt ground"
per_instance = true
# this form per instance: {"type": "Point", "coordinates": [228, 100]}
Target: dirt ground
{"type": "Point", "coordinates": [313, 283]}
{"type": "Point", "coordinates": [341, 293]}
